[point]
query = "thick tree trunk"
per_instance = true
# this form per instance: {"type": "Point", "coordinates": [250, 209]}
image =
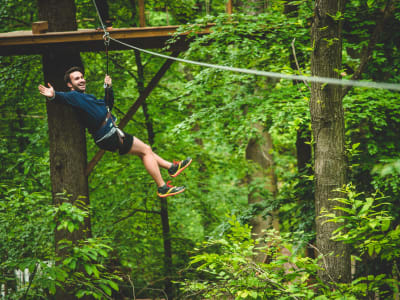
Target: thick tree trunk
{"type": "Point", "coordinates": [328, 128]}
{"type": "Point", "coordinates": [67, 136]}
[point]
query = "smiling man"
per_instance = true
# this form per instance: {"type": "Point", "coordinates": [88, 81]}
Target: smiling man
{"type": "Point", "coordinates": [95, 115]}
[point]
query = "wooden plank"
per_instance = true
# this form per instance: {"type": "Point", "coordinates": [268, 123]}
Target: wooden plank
{"type": "Point", "coordinates": [24, 42]}
{"type": "Point", "coordinates": [40, 27]}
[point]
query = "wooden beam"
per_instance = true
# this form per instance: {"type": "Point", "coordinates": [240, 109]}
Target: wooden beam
{"type": "Point", "coordinates": [24, 42]}
{"type": "Point", "coordinates": [142, 16]}
{"type": "Point", "coordinates": [229, 7]}
{"type": "Point", "coordinates": [133, 109]}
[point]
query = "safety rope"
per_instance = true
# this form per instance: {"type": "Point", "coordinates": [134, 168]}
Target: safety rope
{"type": "Point", "coordinates": [315, 79]}
{"type": "Point", "coordinates": [98, 14]}
{"type": "Point", "coordinates": [106, 37]}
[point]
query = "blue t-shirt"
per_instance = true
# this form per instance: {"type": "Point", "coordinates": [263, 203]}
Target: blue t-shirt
{"type": "Point", "coordinates": [92, 112]}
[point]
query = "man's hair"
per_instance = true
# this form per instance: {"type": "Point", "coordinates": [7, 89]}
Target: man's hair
{"type": "Point", "coordinates": [67, 78]}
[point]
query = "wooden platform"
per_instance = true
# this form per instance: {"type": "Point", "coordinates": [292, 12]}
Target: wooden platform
{"type": "Point", "coordinates": [25, 42]}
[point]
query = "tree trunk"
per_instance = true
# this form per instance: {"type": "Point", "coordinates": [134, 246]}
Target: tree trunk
{"type": "Point", "coordinates": [168, 266]}
{"type": "Point", "coordinates": [66, 135]}
{"type": "Point", "coordinates": [327, 121]}
{"type": "Point", "coordinates": [258, 150]}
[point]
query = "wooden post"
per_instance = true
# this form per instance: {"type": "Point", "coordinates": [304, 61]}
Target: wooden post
{"type": "Point", "coordinates": [229, 7]}
{"type": "Point", "coordinates": [167, 247]}
{"type": "Point", "coordinates": [40, 27]}
{"type": "Point", "coordinates": [142, 18]}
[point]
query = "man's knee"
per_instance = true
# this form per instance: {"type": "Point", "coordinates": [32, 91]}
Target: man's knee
{"type": "Point", "coordinates": [147, 149]}
{"type": "Point", "coordinates": [143, 150]}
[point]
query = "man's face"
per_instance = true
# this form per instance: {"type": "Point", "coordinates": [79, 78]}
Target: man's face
{"type": "Point", "coordinates": [78, 83]}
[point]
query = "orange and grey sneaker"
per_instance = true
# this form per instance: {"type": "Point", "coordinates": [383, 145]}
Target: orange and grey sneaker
{"type": "Point", "coordinates": [169, 190]}
{"type": "Point", "coordinates": [178, 166]}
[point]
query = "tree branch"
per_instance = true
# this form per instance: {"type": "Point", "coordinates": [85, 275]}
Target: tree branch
{"type": "Point", "coordinates": [134, 212]}
{"type": "Point", "coordinates": [18, 20]}
{"type": "Point", "coordinates": [115, 62]}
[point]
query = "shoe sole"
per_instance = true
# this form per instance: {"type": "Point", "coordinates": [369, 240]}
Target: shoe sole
{"type": "Point", "coordinates": [172, 194]}
{"type": "Point", "coordinates": [180, 170]}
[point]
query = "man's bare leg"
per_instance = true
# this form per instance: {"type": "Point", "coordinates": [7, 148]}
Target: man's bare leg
{"type": "Point", "coordinates": [151, 161]}
{"type": "Point", "coordinates": [162, 162]}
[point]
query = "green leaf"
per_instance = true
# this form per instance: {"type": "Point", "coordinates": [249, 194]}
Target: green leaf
{"type": "Point", "coordinates": [88, 269]}
{"type": "Point", "coordinates": [80, 293]}
{"type": "Point", "coordinates": [52, 288]}
{"type": "Point", "coordinates": [385, 224]}
{"type": "Point", "coordinates": [367, 205]}
{"type": "Point", "coordinates": [72, 265]}
{"type": "Point", "coordinates": [370, 249]}
{"type": "Point", "coordinates": [103, 253]}
{"type": "Point", "coordinates": [106, 289]}
{"type": "Point", "coordinates": [71, 227]}
{"type": "Point", "coordinates": [96, 272]}
{"type": "Point", "coordinates": [113, 285]}
{"type": "Point", "coordinates": [370, 3]}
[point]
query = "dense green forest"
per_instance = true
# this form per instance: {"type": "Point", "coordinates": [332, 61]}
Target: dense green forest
{"type": "Point", "coordinates": [264, 215]}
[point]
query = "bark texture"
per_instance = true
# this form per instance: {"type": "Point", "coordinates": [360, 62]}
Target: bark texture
{"type": "Point", "coordinates": [66, 135]}
{"type": "Point", "coordinates": [328, 128]}
{"type": "Point", "coordinates": [259, 151]}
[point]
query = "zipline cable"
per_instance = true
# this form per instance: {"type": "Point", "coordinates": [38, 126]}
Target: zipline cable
{"type": "Point", "coordinates": [327, 80]}
{"type": "Point", "coordinates": [316, 79]}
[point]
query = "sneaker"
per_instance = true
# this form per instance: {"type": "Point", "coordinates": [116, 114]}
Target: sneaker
{"type": "Point", "coordinates": [178, 166]}
{"type": "Point", "coordinates": [169, 190]}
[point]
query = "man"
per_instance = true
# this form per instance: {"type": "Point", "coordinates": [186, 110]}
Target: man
{"type": "Point", "coordinates": [96, 116]}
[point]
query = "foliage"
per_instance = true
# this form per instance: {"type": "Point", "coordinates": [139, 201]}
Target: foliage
{"type": "Point", "coordinates": [83, 269]}
{"type": "Point", "coordinates": [225, 268]}
{"type": "Point", "coordinates": [372, 121]}
{"type": "Point", "coordinates": [27, 241]}
{"type": "Point", "coordinates": [367, 226]}
{"type": "Point", "coordinates": [25, 231]}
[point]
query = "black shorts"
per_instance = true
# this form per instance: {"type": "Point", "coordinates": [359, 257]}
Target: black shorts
{"type": "Point", "coordinates": [113, 143]}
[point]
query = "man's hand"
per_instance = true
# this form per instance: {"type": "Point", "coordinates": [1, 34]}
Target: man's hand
{"type": "Point", "coordinates": [47, 91]}
{"type": "Point", "coordinates": [108, 81]}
